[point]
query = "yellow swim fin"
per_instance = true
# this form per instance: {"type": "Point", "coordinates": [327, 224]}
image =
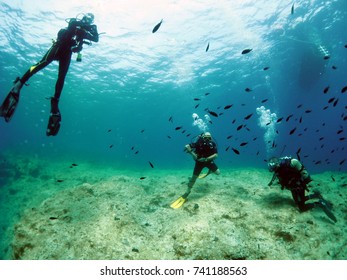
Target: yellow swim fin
{"type": "Point", "coordinates": [178, 203]}
{"type": "Point", "coordinates": [201, 176]}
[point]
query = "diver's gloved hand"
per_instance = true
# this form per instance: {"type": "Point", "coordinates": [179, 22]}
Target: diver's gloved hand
{"type": "Point", "coordinates": [53, 124]}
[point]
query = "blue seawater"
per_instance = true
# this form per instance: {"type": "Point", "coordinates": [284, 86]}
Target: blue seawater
{"type": "Point", "coordinates": [122, 105]}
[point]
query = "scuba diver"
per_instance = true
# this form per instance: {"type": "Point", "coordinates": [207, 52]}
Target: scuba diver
{"type": "Point", "coordinates": [293, 176]}
{"type": "Point", "coordinates": [204, 152]}
{"type": "Point", "coordinates": [69, 40]}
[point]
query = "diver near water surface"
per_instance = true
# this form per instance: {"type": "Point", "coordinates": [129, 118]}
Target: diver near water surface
{"type": "Point", "coordinates": [69, 40]}
{"type": "Point", "coordinates": [204, 152]}
{"type": "Point", "coordinates": [293, 176]}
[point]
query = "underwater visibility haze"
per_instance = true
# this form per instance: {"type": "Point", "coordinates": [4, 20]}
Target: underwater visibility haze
{"type": "Point", "coordinates": [266, 78]}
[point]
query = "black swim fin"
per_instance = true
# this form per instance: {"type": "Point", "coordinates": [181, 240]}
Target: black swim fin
{"type": "Point", "coordinates": [9, 105]}
{"type": "Point", "coordinates": [53, 124]}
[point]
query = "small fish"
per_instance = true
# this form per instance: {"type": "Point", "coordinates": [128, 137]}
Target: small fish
{"type": "Point", "coordinates": [196, 106]}
{"type": "Point", "coordinates": [212, 113]}
{"type": "Point", "coordinates": [266, 68]}
{"type": "Point", "coordinates": [332, 178]}
{"type": "Point", "coordinates": [109, 130]}
{"type": "Point", "coordinates": [331, 100]}
{"type": "Point", "coordinates": [248, 116]}
{"type": "Point", "coordinates": [136, 152]}
{"type": "Point", "coordinates": [60, 180]}
{"type": "Point", "coordinates": [292, 10]}
{"type": "Point", "coordinates": [207, 48]}
{"type": "Point", "coordinates": [142, 131]}
{"type": "Point", "coordinates": [239, 127]}
{"type": "Point", "coordinates": [344, 89]}
{"type": "Point", "coordinates": [279, 120]}
{"type": "Point", "coordinates": [264, 100]}
{"type": "Point", "coordinates": [228, 107]}
{"type": "Point", "coordinates": [229, 136]}
{"type": "Point", "coordinates": [326, 107]}
{"type": "Point", "coordinates": [300, 121]}
{"type": "Point", "coordinates": [74, 164]}
{"type": "Point", "coordinates": [197, 99]}
{"type": "Point", "coordinates": [243, 144]}
{"type": "Point", "coordinates": [155, 29]}
{"type": "Point", "coordinates": [178, 127]}
{"type": "Point", "coordinates": [339, 131]}
{"type": "Point", "coordinates": [288, 118]}
{"type": "Point", "coordinates": [335, 103]}
{"type": "Point", "coordinates": [299, 106]}
{"type": "Point", "coordinates": [342, 161]}
{"type": "Point", "coordinates": [235, 151]}
{"type": "Point", "coordinates": [53, 218]}
{"type": "Point", "coordinates": [227, 148]}
{"type": "Point", "coordinates": [111, 146]}
{"type": "Point", "coordinates": [248, 89]}
{"type": "Point", "coordinates": [151, 164]}
{"type": "Point", "coordinates": [171, 119]}
{"type": "Point", "coordinates": [273, 144]}
{"type": "Point", "coordinates": [142, 178]}
{"type": "Point", "coordinates": [169, 136]}
{"type": "Point", "coordinates": [334, 67]}
{"type": "Point", "coordinates": [326, 89]}
{"type": "Point", "coordinates": [308, 111]}
{"type": "Point", "coordinates": [245, 51]}
{"type": "Point", "coordinates": [326, 57]}
{"type": "Point", "coordinates": [233, 121]}
{"type": "Point", "coordinates": [207, 93]}
{"type": "Point", "coordinates": [292, 131]}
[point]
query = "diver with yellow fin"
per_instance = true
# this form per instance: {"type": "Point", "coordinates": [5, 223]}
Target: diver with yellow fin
{"type": "Point", "coordinates": [204, 152]}
{"type": "Point", "coordinates": [69, 40]}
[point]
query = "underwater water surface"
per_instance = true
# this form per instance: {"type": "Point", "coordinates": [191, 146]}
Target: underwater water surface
{"type": "Point", "coordinates": [266, 78]}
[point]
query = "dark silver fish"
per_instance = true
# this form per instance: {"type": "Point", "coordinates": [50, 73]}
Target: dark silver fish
{"type": "Point", "coordinates": [245, 51]}
{"type": "Point", "coordinates": [235, 151]}
{"type": "Point", "coordinates": [292, 10]}
{"type": "Point", "coordinates": [213, 113]}
{"type": "Point", "coordinates": [208, 47]}
{"type": "Point", "coordinates": [155, 29]}
{"type": "Point", "coordinates": [248, 116]}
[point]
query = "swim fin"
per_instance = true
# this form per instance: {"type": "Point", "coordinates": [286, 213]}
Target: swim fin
{"type": "Point", "coordinates": [9, 105]}
{"type": "Point", "coordinates": [178, 203]}
{"type": "Point", "coordinates": [53, 124]}
{"type": "Point", "coordinates": [201, 176]}
{"type": "Point", "coordinates": [326, 206]}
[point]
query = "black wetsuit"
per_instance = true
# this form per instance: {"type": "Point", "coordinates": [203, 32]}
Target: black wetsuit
{"type": "Point", "coordinates": [69, 40]}
{"type": "Point", "coordinates": [290, 178]}
{"type": "Point", "coordinates": [203, 149]}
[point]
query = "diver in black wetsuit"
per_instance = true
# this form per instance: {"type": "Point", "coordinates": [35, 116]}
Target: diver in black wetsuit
{"type": "Point", "coordinates": [69, 40]}
{"type": "Point", "coordinates": [204, 152]}
{"type": "Point", "coordinates": [293, 176]}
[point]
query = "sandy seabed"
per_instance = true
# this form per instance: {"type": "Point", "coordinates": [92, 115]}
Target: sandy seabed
{"type": "Point", "coordinates": [62, 211]}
